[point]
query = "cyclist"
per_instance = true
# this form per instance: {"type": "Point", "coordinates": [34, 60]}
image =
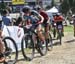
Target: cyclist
{"type": "Point", "coordinates": [33, 17]}
{"type": "Point", "coordinates": [46, 21]}
{"type": "Point", "coordinates": [58, 19]}
{"type": "Point", "coordinates": [1, 45]}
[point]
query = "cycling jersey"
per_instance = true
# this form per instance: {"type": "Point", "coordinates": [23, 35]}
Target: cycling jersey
{"type": "Point", "coordinates": [32, 18]}
{"type": "Point", "coordinates": [58, 18]}
{"type": "Point", "coordinates": [45, 16]}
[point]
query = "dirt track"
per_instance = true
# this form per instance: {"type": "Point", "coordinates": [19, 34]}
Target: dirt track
{"type": "Point", "coordinates": [64, 54]}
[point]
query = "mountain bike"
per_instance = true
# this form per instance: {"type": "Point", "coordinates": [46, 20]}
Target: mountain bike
{"type": "Point", "coordinates": [59, 28]}
{"type": "Point", "coordinates": [49, 42]}
{"type": "Point", "coordinates": [30, 42]}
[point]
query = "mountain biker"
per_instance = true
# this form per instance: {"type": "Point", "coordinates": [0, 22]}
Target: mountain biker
{"type": "Point", "coordinates": [46, 21]}
{"type": "Point", "coordinates": [58, 19]}
{"type": "Point", "coordinates": [33, 17]}
{"type": "Point", "coordinates": [1, 45]}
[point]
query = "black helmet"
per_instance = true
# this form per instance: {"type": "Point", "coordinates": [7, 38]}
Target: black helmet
{"type": "Point", "coordinates": [26, 9]}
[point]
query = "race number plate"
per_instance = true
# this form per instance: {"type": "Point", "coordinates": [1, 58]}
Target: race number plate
{"type": "Point", "coordinates": [59, 26]}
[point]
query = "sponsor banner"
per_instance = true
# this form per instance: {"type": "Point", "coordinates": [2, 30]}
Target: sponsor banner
{"type": "Point", "coordinates": [14, 32]}
{"type": "Point", "coordinates": [17, 2]}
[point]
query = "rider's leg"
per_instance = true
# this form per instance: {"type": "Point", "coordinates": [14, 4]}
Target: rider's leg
{"type": "Point", "coordinates": [47, 28]}
{"type": "Point", "coordinates": [39, 32]}
{"type": "Point", "coordinates": [60, 23]}
{"type": "Point", "coordinates": [46, 24]}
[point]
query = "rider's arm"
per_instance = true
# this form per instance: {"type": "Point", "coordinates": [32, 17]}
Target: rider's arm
{"type": "Point", "coordinates": [42, 19]}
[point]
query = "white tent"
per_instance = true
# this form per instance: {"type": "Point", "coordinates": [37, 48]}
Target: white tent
{"type": "Point", "coordinates": [53, 10]}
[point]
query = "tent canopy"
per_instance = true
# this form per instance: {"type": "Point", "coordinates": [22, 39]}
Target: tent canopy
{"type": "Point", "coordinates": [53, 10]}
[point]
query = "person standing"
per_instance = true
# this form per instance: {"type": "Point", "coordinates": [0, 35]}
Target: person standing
{"type": "Point", "coordinates": [7, 20]}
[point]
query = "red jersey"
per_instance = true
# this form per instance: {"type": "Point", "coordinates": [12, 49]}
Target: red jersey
{"type": "Point", "coordinates": [58, 18]}
{"type": "Point", "coordinates": [45, 16]}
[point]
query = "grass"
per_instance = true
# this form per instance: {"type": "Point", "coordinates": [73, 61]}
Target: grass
{"type": "Point", "coordinates": [68, 28]}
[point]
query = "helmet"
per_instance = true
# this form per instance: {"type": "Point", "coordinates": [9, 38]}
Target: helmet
{"type": "Point", "coordinates": [26, 9]}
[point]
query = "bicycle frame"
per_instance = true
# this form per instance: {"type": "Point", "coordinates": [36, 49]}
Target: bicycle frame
{"type": "Point", "coordinates": [38, 45]}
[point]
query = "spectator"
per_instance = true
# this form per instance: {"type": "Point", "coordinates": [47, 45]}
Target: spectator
{"type": "Point", "coordinates": [6, 19]}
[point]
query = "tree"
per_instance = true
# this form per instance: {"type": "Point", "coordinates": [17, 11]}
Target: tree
{"type": "Point", "coordinates": [52, 3]}
{"type": "Point", "coordinates": [67, 6]}
{"type": "Point", "coordinates": [2, 6]}
{"type": "Point", "coordinates": [64, 7]}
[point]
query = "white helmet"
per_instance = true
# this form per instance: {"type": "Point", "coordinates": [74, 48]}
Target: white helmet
{"type": "Point", "coordinates": [0, 18]}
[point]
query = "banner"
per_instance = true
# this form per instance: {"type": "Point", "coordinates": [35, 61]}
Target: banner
{"type": "Point", "coordinates": [16, 33]}
{"type": "Point", "coordinates": [17, 2]}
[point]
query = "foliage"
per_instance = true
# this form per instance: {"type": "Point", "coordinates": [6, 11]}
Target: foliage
{"type": "Point", "coordinates": [52, 3]}
{"type": "Point", "coordinates": [2, 6]}
{"type": "Point", "coordinates": [68, 5]}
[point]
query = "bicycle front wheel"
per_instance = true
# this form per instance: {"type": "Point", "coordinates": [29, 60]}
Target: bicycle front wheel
{"type": "Point", "coordinates": [27, 47]}
{"type": "Point", "coordinates": [60, 37]}
{"type": "Point", "coordinates": [11, 51]}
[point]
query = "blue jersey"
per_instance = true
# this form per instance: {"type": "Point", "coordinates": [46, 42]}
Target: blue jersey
{"type": "Point", "coordinates": [6, 20]}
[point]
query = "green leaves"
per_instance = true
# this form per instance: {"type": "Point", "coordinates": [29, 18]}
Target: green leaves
{"type": "Point", "coordinates": [68, 5]}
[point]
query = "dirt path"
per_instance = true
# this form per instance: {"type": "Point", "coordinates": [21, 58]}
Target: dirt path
{"type": "Point", "coordinates": [64, 54]}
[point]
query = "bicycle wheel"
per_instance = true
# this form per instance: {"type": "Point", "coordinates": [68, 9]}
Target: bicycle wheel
{"type": "Point", "coordinates": [41, 47]}
{"type": "Point", "coordinates": [49, 42]}
{"type": "Point", "coordinates": [11, 53]}
{"type": "Point", "coordinates": [60, 36]}
{"type": "Point", "coordinates": [54, 32]}
{"type": "Point", "coordinates": [27, 47]}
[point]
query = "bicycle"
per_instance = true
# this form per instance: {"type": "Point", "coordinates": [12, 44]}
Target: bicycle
{"type": "Point", "coordinates": [28, 44]}
{"type": "Point", "coordinates": [49, 42]}
{"type": "Point", "coordinates": [54, 30]}
{"type": "Point", "coordinates": [59, 29]}
{"type": "Point", "coordinates": [10, 54]}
